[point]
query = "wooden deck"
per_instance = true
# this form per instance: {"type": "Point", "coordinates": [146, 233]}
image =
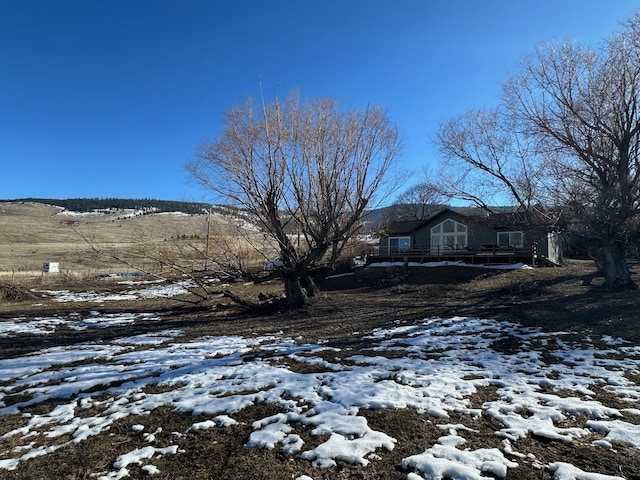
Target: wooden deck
{"type": "Point", "coordinates": [481, 255]}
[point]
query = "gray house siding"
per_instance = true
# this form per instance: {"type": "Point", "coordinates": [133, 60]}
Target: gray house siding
{"type": "Point", "coordinates": [422, 237]}
{"type": "Point", "coordinates": [473, 234]}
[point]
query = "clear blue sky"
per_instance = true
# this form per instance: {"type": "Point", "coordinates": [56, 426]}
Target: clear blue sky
{"type": "Point", "coordinates": [110, 98]}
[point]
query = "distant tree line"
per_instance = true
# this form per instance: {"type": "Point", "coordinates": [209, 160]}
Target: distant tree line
{"type": "Point", "coordinates": [91, 204]}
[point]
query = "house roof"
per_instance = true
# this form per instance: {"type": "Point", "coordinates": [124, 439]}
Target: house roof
{"type": "Point", "coordinates": [405, 227]}
{"type": "Point", "coordinates": [501, 218]}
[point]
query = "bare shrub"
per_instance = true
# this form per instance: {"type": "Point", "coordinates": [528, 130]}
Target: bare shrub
{"type": "Point", "coordinates": [15, 292]}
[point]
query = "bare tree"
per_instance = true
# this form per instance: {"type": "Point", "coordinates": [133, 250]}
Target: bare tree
{"type": "Point", "coordinates": [305, 171]}
{"type": "Point", "coordinates": [579, 110]}
{"type": "Point", "coordinates": [418, 202]}
{"type": "Point", "coordinates": [487, 163]}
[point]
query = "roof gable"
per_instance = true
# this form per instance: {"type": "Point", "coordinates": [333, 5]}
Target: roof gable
{"type": "Point", "coordinates": [405, 227]}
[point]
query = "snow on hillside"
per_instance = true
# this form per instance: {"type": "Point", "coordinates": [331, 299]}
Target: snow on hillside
{"type": "Point", "coordinates": [119, 212]}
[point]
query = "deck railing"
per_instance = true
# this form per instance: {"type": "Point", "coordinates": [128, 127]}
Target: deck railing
{"type": "Point", "coordinates": [484, 250]}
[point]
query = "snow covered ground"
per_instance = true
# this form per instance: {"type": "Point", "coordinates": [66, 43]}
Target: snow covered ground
{"type": "Point", "coordinates": [164, 290]}
{"type": "Point", "coordinates": [432, 366]}
{"type": "Point", "coordinates": [47, 325]}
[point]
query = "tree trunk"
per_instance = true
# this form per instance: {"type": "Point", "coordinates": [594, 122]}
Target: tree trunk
{"type": "Point", "coordinates": [613, 264]}
{"type": "Point", "coordinates": [296, 295]}
{"type": "Point", "coordinates": [309, 286]}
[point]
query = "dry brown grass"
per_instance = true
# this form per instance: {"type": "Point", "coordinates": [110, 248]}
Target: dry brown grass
{"type": "Point", "coordinates": [32, 234]}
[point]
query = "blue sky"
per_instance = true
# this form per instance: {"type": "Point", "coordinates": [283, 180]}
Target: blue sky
{"type": "Point", "coordinates": [110, 98]}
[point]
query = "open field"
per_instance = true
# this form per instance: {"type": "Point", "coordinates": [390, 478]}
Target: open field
{"type": "Point", "coordinates": [35, 233]}
{"type": "Point", "coordinates": [85, 245]}
{"type": "Point", "coordinates": [447, 372]}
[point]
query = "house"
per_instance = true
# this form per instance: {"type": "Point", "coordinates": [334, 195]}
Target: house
{"type": "Point", "coordinates": [470, 235]}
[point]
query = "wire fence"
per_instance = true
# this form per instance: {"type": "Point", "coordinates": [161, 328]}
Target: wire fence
{"type": "Point", "coordinates": [17, 275]}
{"type": "Point", "coordinates": [22, 274]}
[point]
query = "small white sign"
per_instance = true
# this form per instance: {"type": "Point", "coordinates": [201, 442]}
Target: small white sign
{"type": "Point", "coordinates": [51, 267]}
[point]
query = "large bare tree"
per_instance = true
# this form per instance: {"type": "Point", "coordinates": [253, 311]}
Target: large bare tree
{"type": "Point", "coordinates": [307, 171]}
{"type": "Point", "coordinates": [567, 134]}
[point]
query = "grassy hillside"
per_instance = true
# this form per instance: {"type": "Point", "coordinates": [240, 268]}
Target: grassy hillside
{"type": "Point", "coordinates": [34, 233]}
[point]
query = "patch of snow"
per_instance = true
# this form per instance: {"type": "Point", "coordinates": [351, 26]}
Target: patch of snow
{"type": "Point", "coordinates": [48, 325]}
{"type": "Point", "coordinates": [165, 291]}
{"type": "Point", "coordinates": [617, 431]}
{"type": "Point", "coordinates": [140, 282]}
{"type": "Point", "coordinates": [151, 469]}
{"type": "Point", "coordinates": [339, 275]}
{"type": "Point", "coordinates": [153, 338]}
{"type": "Point", "coordinates": [71, 213]}
{"type": "Point", "coordinates": [135, 456]}
{"type": "Point", "coordinates": [106, 320]}
{"type": "Point", "coordinates": [219, 421]}
{"type": "Point", "coordinates": [566, 471]}
{"type": "Point", "coordinates": [445, 460]}
{"type": "Point", "coordinates": [36, 326]}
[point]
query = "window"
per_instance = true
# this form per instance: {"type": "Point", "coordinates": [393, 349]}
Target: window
{"type": "Point", "coordinates": [511, 239]}
{"type": "Point", "coordinates": [399, 244]}
{"type": "Point", "coordinates": [448, 235]}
